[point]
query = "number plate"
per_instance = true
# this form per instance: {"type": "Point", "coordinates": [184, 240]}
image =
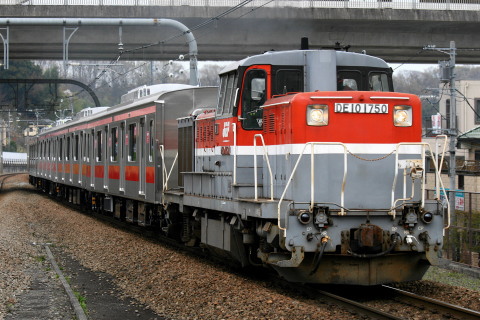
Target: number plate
{"type": "Point", "coordinates": [361, 107]}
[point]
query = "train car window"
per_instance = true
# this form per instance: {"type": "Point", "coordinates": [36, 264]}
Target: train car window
{"type": "Point", "coordinates": [253, 96]}
{"type": "Point", "coordinates": [87, 147]}
{"type": "Point", "coordinates": [84, 153]}
{"type": "Point", "coordinates": [142, 139]}
{"type": "Point", "coordinates": [105, 142]}
{"type": "Point", "coordinates": [132, 142]}
{"type": "Point", "coordinates": [114, 136]}
{"type": "Point", "coordinates": [228, 83]}
{"type": "Point", "coordinates": [122, 136]}
{"type": "Point", "coordinates": [99, 145]}
{"type": "Point", "coordinates": [60, 147]}
{"type": "Point", "coordinates": [378, 82]}
{"type": "Point", "coordinates": [222, 93]}
{"type": "Point", "coordinates": [349, 80]}
{"type": "Point", "coordinates": [287, 80]}
{"type": "Point", "coordinates": [82, 146]}
{"type": "Point", "coordinates": [151, 147]}
{"type": "Point", "coordinates": [76, 148]}
{"type": "Point", "coordinates": [67, 153]}
{"type": "Point", "coordinates": [230, 93]}
{"type": "Point", "coordinates": [91, 146]}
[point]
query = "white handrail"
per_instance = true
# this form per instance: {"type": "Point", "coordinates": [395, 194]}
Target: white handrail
{"type": "Point", "coordinates": [234, 125]}
{"type": "Point", "coordinates": [166, 175]}
{"type": "Point", "coordinates": [424, 145]}
{"type": "Point", "coordinates": [342, 199]}
{"type": "Point", "coordinates": [255, 165]}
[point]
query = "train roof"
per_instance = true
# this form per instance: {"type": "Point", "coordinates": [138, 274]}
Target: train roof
{"type": "Point", "coordinates": [152, 98]}
{"type": "Point", "coordinates": [302, 57]}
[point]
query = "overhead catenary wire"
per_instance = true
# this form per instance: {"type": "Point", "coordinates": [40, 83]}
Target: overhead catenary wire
{"type": "Point", "coordinates": [197, 27]}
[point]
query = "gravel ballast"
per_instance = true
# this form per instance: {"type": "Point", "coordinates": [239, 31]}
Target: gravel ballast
{"type": "Point", "coordinates": [174, 285]}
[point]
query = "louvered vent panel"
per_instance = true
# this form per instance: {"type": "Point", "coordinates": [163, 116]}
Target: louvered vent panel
{"type": "Point", "coordinates": [265, 122]}
{"type": "Point", "coordinates": [271, 123]}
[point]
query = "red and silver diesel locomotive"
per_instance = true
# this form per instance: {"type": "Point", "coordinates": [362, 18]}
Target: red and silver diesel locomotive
{"type": "Point", "coordinates": [305, 161]}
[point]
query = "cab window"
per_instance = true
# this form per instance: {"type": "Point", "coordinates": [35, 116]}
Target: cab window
{"type": "Point", "coordinates": [287, 80]}
{"type": "Point", "coordinates": [349, 80]}
{"type": "Point", "coordinates": [253, 96]}
{"type": "Point", "coordinates": [227, 93]}
{"type": "Point", "coordinates": [378, 82]}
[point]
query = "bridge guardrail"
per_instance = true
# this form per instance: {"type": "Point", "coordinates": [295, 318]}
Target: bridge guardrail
{"type": "Point", "coordinates": [468, 5]}
{"type": "Point", "coordinates": [14, 165]}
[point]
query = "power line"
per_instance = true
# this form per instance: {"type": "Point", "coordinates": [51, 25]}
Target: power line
{"type": "Point", "coordinates": [197, 27]}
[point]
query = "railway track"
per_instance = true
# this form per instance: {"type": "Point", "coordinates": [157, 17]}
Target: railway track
{"type": "Point", "coordinates": [357, 308]}
{"type": "Point", "coordinates": [372, 302]}
{"type": "Point", "coordinates": [4, 177]}
{"type": "Point", "coordinates": [450, 310]}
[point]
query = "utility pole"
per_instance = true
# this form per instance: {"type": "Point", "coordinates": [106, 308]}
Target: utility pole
{"type": "Point", "coordinates": [448, 76]}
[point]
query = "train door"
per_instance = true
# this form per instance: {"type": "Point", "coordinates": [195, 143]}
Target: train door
{"type": "Point", "coordinates": [105, 158]}
{"type": "Point", "coordinates": [122, 157]}
{"type": "Point", "coordinates": [76, 158]}
{"type": "Point", "coordinates": [92, 159]}
{"type": "Point", "coordinates": [255, 90]}
{"type": "Point", "coordinates": [99, 158]}
{"type": "Point", "coordinates": [68, 159]}
{"type": "Point", "coordinates": [80, 158]}
{"type": "Point", "coordinates": [150, 157]}
{"type": "Point", "coordinates": [56, 159]}
{"type": "Point", "coordinates": [85, 160]}
{"type": "Point", "coordinates": [49, 158]}
{"type": "Point", "coordinates": [142, 158]}
{"type": "Point", "coordinates": [113, 168]}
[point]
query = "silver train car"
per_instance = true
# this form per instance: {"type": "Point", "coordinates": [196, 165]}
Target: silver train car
{"type": "Point", "coordinates": [304, 161]}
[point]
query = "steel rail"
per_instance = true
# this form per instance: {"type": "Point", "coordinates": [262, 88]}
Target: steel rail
{"type": "Point", "coordinates": [357, 307]}
{"type": "Point", "coordinates": [4, 177]}
{"type": "Point", "coordinates": [445, 307]}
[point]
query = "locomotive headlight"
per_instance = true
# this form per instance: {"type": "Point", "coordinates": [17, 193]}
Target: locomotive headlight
{"type": "Point", "coordinates": [402, 116]}
{"type": "Point", "coordinates": [317, 115]}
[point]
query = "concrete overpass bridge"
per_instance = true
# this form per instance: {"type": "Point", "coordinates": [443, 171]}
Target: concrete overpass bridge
{"type": "Point", "coordinates": [395, 30]}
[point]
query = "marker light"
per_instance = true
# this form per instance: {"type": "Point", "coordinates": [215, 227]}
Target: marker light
{"type": "Point", "coordinates": [427, 217]}
{"type": "Point", "coordinates": [317, 115]}
{"type": "Point", "coordinates": [402, 116]}
{"type": "Point", "coordinates": [304, 217]}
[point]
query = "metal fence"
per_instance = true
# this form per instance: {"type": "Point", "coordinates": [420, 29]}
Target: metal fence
{"type": "Point", "coordinates": [462, 239]}
{"type": "Point", "coordinates": [14, 165]}
{"type": "Point", "coordinates": [359, 4]}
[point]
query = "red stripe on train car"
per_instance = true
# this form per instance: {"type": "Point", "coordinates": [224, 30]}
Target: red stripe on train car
{"type": "Point", "coordinates": [131, 173]}
{"type": "Point", "coordinates": [150, 175]}
{"type": "Point", "coordinates": [76, 168]}
{"type": "Point", "coordinates": [114, 172]}
{"type": "Point", "coordinates": [60, 167]}
{"type": "Point", "coordinates": [67, 168]}
{"type": "Point", "coordinates": [99, 172]}
{"type": "Point", "coordinates": [86, 170]}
